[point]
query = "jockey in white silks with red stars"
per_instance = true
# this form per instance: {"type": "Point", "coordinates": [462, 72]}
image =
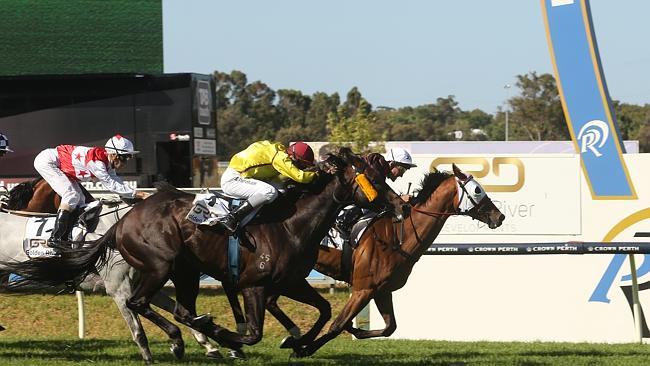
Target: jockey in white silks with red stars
{"type": "Point", "coordinates": [65, 166]}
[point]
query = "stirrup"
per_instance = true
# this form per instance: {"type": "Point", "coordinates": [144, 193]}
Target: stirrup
{"type": "Point", "coordinates": [230, 223]}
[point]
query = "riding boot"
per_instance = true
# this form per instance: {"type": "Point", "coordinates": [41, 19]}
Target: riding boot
{"type": "Point", "coordinates": [60, 229]}
{"type": "Point", "coordinates": [234, 218]}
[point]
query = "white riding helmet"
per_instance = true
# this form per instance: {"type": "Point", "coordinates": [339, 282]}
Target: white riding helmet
{"type": "Point", "coordinates": [4, 143]}
{"type": "Point", "coordinates": [399, 155]}
{"type": "Point", "coordinates": [120, 145]}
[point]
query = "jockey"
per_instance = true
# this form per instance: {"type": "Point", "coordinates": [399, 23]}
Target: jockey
{"type": "Point", "coordinates": [4, 145]}
{"type": "Point", "coordinates": [250, 170]}
{"type": "Point", "coordinates": [65, 166]}
{"type": "Point", "coordinates": [391, 165]}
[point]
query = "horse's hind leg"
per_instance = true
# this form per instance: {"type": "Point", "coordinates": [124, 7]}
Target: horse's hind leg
{"type": "Point", "coordinates": [304, 293]}
{"type": "Point", "coordinates": [384, 302]}
{"type": "Point", "coordinates": [135, 326]}
{"type": "Point", "coordinates": [281, 316]}
{"type": "Point", "coordinates": [118, 279]}
{"type": "Point", "coordinates": [357, 301]}
{"type": "Point", "coordinates": [150, 283]}
{"type": "Point", "coordinates": [166, 303]}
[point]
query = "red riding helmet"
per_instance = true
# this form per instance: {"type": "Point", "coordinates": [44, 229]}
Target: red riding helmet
{"type": "Point", "coordinates": [301, 152]}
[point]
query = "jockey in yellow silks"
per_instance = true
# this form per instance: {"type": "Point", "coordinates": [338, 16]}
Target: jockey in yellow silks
{"type": "Point", "coordinates": [250, 170]}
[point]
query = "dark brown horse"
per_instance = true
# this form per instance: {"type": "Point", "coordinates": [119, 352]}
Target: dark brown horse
{"type": "Point", "coordinates": [157, 240]}
{"type": "Point", "coordinates": [381, 265]}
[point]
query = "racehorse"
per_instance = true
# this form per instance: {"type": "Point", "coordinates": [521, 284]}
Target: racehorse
{"type": "Point", "coordinates": [119, 277]}
{"type": "Point", "coordinates": [387, 252]}
{"type": "Point", "coordinates": [37, 196]}
{"type": "Point", "coordinates": [279, 251]}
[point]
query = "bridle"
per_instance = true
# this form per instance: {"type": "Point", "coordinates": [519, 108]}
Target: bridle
{"type": "Point", "coordinates": [462, 184]}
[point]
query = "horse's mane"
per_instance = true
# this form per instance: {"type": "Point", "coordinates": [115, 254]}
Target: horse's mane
{"type": "Point", "coordinates": [430, 183]}
{"type": "Point", "coordinates": [162, 186]}
{"type": "Point", "coordinates": [20, 195]}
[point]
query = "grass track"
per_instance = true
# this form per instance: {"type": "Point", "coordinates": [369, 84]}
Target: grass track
{"type": "Point", "coordinates": [41, 330]}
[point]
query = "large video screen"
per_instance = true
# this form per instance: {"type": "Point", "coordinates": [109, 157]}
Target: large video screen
{"type": "Point", "coordinates": [80, 36]}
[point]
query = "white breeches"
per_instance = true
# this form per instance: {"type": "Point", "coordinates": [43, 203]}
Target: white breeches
{"type": "Point", "coordinates": [257, 192]}
{"type": "Point", "coordinates": [47, 165]}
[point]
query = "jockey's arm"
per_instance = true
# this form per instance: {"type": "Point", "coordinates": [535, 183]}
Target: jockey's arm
{"type": "Point", "coordinates": [110, 180]}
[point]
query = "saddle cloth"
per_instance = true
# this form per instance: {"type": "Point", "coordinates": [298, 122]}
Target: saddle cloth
{"type": "Point", "coordinates": [39, 229]}
{"type": "Point", "coordinates": [208, 209]}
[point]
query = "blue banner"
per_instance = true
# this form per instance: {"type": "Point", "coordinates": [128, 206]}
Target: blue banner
{"type": "Point", "coordinates": [585, 99]}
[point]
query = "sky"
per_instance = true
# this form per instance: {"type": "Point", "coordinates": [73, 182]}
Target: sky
{"type": "Point", "coordinates": [398, 53]}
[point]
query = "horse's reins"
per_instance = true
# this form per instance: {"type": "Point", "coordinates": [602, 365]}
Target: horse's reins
{"type": "Point", "coordinates": [437, 214]}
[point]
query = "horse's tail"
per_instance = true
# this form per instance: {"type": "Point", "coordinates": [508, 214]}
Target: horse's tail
{"type": "Point", "coordinates": [20, 195]}
{"type": "Point", "coordinates": [73, 265]}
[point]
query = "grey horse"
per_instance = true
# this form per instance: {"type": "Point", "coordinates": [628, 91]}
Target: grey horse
{"type": "Point", "coordinates": [118, 277]}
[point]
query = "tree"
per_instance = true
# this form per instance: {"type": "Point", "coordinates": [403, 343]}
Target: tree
{"type": "Point", "coordinates": [354, 130]}
{"type": "Point", "coordinates": [634, 123]}
{"type": "Point", "coordinates": [537, 112]}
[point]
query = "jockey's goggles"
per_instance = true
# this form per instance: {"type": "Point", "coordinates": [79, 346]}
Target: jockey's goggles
{"type": "Point", "coordinates": [124, 157]}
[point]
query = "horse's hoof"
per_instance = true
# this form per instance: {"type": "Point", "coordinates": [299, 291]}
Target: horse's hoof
{"type": "Point", "coordinates": [178, 350]}
{"type": "Point", "coordinates": [288, 342]}
{"type": "Point", "coordinates": [236, 354]}
{"type": "Point", "coordinates": [202, 320]}
{"type": "Point", "coordinates": [214, 355]}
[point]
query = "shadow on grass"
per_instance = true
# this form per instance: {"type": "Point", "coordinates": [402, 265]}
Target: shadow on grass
{"type": "Point", "coordinates": [89, 350]}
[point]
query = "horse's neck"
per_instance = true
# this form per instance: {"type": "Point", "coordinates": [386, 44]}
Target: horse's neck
{"type": "Point", "coordinates": [315, 215]}
{"type": "Point", "coordinates": [424, 229]}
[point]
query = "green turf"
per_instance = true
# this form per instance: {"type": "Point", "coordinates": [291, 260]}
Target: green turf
{"type": "Point", "coordinates": [41, 330]}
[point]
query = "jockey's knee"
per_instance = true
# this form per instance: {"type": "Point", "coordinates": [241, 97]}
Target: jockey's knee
{"type": "Point", "coordinates": [69, 202]}
{"type": "Point", "coordinates": [267, 195]}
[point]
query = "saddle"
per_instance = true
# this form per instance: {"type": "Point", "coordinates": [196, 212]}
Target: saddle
{"type": "Point", "coordinates": [340, 238]}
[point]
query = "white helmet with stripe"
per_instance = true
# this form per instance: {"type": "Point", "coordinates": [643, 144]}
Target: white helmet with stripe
{"type": "Point", "coordinates": [120, 145]}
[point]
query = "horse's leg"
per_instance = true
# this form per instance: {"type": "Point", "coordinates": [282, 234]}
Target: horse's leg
{"type": "Point", "coordinates": [304, 293]}
{"type": "Point", "coordinates": [237, 312]}
{"type": "Point", "coordinates": [150, 283]}
{"type": "Point", "coordinates": [357, 301]}
{"type": "Point", "coordinates": [254, 302]}
{"type": "Point", "coordinates": [384, 302]}
{"type": "Point", "coordinates": [288, 324]}
{"type": "Point", "coordinates": [161, 300]}
{"type": "Point", "coordinates": [186, 281]}
{"type": "Point", "coordinates": [119, 286]}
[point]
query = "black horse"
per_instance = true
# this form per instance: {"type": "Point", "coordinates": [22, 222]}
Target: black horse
{"type": "Point", "coordinates": [155, 239]}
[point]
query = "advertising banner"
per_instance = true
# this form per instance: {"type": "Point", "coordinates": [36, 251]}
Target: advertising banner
{"type": "Point", "coordinates": [527, 189]}
{"type": "Point", "coordinates": [585, 99]}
